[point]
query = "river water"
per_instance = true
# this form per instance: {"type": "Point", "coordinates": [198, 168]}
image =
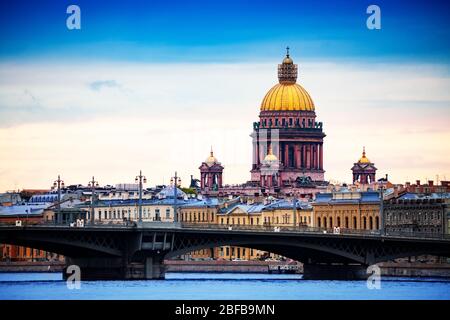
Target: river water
{"type": "Point", "coordinates": [204, 286]}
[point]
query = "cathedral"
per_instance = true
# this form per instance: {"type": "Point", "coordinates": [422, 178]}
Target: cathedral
{"type": "Point", "coordinates": [287, 144]}
{"type": "Point", "coordinates": [287, 131]}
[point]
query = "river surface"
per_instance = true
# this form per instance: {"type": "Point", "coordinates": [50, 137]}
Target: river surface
{"type": "Point", "coordinates": [204, 286]}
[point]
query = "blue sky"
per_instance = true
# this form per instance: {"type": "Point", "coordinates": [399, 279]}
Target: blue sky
{"type": "Point", "coordinates": [178, 31]}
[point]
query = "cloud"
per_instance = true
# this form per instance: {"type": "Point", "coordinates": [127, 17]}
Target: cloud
{"type": "Point", "coordinates": [98, 85]}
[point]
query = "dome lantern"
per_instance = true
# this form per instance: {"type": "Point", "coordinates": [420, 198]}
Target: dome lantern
{"type": "Point", "coordinates": [287, 95]}
{"type": "Point", "coordinates": [287, 70]}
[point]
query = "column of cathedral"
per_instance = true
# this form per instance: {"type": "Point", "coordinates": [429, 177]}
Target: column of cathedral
{"type": "Point", "coordinates": [307, 156]}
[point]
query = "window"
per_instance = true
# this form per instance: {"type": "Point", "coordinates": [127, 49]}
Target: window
{"type": "Point", "coordinates": [355, 226]}
{"type": "Point", "coordinates": [318, 222]}
{"type": "Point", "coordinates": [167, 213]}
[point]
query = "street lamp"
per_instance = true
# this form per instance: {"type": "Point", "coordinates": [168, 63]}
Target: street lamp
{"type": "Point", "coordinates": [141, 179]}
{"type": "Point", "coordinates": [294, 205]}
{"type": "Point", "coordinates": [175, 182]}
{"type": "Point", "coordinates": [58, 184]}
{"type": "Point", "coordinates": [92, 184]}
{"type": "Point", "coordinates": [383, 231]}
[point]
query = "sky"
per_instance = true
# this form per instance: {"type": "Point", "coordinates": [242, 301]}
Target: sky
{"type": "Point", "coordinates": [153, 85]}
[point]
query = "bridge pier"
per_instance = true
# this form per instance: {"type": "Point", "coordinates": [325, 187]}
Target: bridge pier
{"type": "Point", "coordinates": [151, 267]}
{"type": "Point", "coordinates": [154, 268]}
{"type": "Point", "coordinates": [334, 272]}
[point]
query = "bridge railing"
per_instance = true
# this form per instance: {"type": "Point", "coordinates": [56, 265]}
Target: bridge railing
{"type": "Point", "coordinates": [239, 227]}
{"type": "Point", "coordinates": [314, 230]}
{"type": "Point", "coordinates": [278, 228]}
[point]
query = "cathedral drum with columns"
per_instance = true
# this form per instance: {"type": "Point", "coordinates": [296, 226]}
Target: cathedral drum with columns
{"type": "Point", "coordinates": [287, 139]}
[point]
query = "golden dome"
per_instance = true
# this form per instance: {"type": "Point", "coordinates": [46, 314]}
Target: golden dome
{"type": "Point", "coordinates": [270, 156]}
{"type": "Point", "coordinates": [287, 97]}
{"type": "Point", "coordinates": [288, 60]}
{"type": "Point", "coordinates": [211, 159]}
{"type": "Point", "coordinates": [364, 159]}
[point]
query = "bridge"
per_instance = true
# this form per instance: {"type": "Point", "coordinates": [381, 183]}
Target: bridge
{"type": "Point", "coordinates": [121, 251]}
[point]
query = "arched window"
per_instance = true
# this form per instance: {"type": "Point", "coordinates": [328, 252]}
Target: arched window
{"type": "Point", "coordinates": [318, 222]}
{"type": "Point", "coordinates": [364, 223]}
{"type": "Point", "coordinates": [377, 223]}
{"type": "Point", "coordinates": [324, 222]}
{"type": "Point", "coordinates": [370, 223]}
{"type": "Point", "coordinates": [339, 221]}
{"type": "Point", "coordinates": [346, 222]}
{"type": "Point", "coordinates": [331, 222]}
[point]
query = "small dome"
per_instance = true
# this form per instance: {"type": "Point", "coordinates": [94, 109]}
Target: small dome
{"type": "Point", "coordinates": [364, 159]}
{"type": "Point", "coordinates": [288, 60]}
{"type": "Point", "coordinates": [270, 157]}
{"type": "Point", "coordinates": [211, 160]}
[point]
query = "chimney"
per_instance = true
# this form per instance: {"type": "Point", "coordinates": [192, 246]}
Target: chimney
{"type": "Point", "coordinates": [408, 184]}
{"type": "Point", "coordinates": [386, 177]}
{"type": "Point", "coordinates": [430, 183]}
{"type": "Point", "coordinates": [418, 182]}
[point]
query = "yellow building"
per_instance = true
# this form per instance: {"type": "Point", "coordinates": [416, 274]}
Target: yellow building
{"type": "Point", "coordinates": [347, 210]}
{"type": "Point", "coordinates": [234, 213]}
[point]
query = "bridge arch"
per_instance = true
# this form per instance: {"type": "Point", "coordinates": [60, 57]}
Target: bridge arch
{"type": "Point", "coordinates": [297, 250]}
